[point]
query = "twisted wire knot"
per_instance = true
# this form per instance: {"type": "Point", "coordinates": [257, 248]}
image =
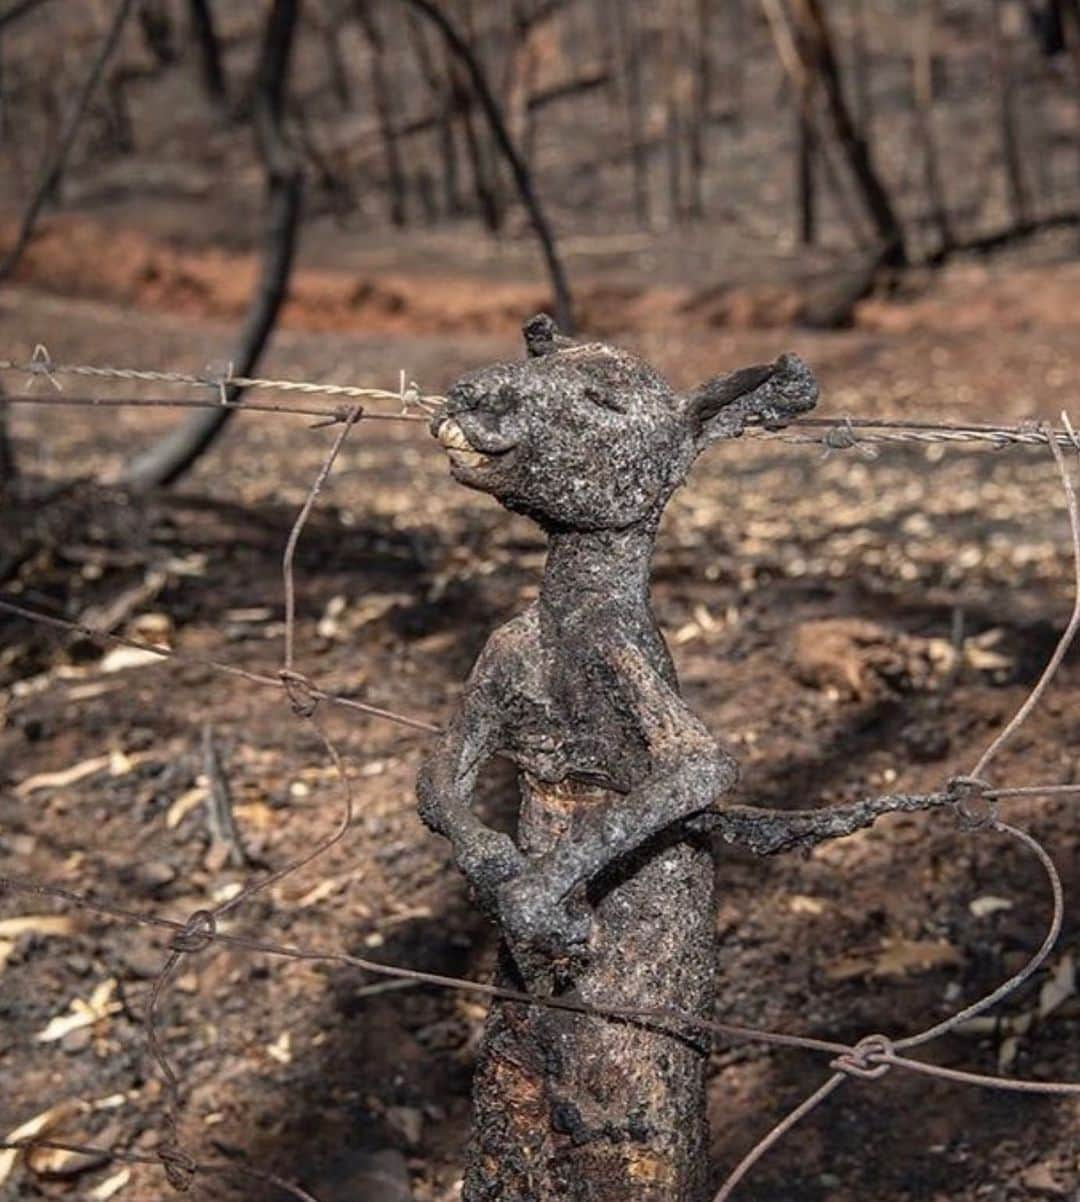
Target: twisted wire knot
{"type": "Point", "coordinates": [180, 1168]}
{"type": "Point", "coordinates": [967, 791]}
{"type": "Point", "coordinates": [864, 1059]}
{"type": "Point", "coordinates": [198, 933]}
{"type": "Point", "coordinates": [843, 438]}
{"type": "Point", "coordinates": [301, 693]}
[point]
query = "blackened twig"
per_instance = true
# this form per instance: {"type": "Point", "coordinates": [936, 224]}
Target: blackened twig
{"type": "Point", "coordinates": [219, 811]}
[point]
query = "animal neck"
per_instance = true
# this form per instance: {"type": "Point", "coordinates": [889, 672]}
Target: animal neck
{"type": "Point", "coordinates": [593, 575]}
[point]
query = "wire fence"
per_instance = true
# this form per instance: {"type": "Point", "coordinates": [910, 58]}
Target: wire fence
{"type": "Point", "coordinates": [971, 797]}
{"type": "Point", "coordinates": [845, 432]}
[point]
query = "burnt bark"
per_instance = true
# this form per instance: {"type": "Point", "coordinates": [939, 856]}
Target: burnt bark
{"type": "Point", "coordinates": [583, 1109]}
{"type": "Point", "coordinates": [177, 452]}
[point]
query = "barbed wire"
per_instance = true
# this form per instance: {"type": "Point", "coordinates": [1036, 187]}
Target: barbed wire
{"type": "Point", "coordinates": [869, 1058]}
{"type": "Point", "coordinates": [41, 366]}
{"type": "Point", "coordinates": [326, 416]}
{"type": "Point", "coordinates": [840, 433]}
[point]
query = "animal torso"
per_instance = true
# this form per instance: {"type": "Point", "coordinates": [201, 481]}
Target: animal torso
{"type": "Point", "coordinates": [563, 713]}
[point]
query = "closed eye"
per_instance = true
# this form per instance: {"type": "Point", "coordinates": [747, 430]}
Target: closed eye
{"type": "Point", "coordinates": [606, 400]}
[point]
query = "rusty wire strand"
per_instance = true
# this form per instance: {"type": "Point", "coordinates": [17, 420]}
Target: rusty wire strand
{"type": "Point", "coordinates": [776, 1134]}
{"type": "Point", "coordinates": [837, 433]}
{"type": "Point", "coordinates": [201, 927]}
{"type": "Point", "coordinates": [326, 416]}
{"type": "Point", "coordinates": [849, 1059]}
{"type": "Point", "coordinates": [294, 534]}
{"type": "Point", "coordinates": [298, 688]}
{"type": "Point", "coordinates": [846, 432]}
{"type": "Point", "coordinates": [1063, 644]}
{"type": "Point", "coordinates": [675, 1021]}
{"type": "Point", "coordinates": [198, 661]}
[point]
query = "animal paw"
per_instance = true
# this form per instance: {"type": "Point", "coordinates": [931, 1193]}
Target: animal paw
{"type": "Point", "coordinates": [488, 860]}
{"type": "Point", "coordinates": [532, 917]}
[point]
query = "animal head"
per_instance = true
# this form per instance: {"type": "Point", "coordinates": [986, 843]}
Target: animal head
{"type": "Point", "coordinates": [588, 436]}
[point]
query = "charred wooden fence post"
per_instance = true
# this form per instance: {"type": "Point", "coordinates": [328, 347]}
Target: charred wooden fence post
{"type": "Point", "coordinates": [606, 894]}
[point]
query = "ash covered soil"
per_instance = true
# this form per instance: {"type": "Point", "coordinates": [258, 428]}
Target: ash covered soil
{"type": "Point", "coordinates": [848, 624]}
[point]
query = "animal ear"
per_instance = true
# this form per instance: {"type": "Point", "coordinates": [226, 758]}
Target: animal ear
{"type": "Point", "coordinates": [769, 394]}
{"type": "Point", "coordinates": [542, 336]}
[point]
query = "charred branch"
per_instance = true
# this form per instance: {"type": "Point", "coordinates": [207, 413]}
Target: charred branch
{"type": "Point", "coordinates": [518, 169]}
{"type": "Point", "coordinates": [209, 47]}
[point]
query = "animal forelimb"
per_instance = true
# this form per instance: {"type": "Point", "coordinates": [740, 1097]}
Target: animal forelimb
{"type": "Point", "coordinates": [487, 858]}
{"type": "Point", "coordinates": [769, 832]}
{"type": "Point", "coordinates": [539, 906]}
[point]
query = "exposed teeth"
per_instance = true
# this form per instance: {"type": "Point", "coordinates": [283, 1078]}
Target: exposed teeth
{"type": "Point", "coordinates": [452, 436]}
{"type": "Point", "coordinates": [453, 439]}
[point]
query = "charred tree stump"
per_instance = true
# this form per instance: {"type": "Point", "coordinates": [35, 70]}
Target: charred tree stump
{"type": "Point", "coordinates": [606, 894]}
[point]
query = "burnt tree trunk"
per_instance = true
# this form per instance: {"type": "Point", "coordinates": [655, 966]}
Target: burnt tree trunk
{"type": "Point", "coordinates": [581, 1109]}
{"type": "Point", "coordinates": [923, 89]}
{"type": "Point", "coordinates": [702, 107]}
{"type": "Point", "coordinates": [672, 54]}
{"type": "Point", "coordinates": [483, 185]}
{"type": "Point", "coordinates": [169, 459]}
{"type": "Point", "coordinates": [443, 96]}
{"type": "Point", "coordinates": [385, 111]}
{"type": "Point", "coordinates": [1005, 89]}
{"type": "Point", "coordinates": [806, 198]}
{"type": "Point", "coordinates": [8, 469]}
{"type": "Point", "coordinates": [209, 48]}
{"type": "Point", "coordinates": [820, 61]}
{"type": "Point", "coordinates": [862, 70]}
{"type": "Point", "coordinates": [628, 52]}
{"type": "Point", "coordinates": [522, 177]}
{"type": "Point", "coordinates": [53, 171]}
